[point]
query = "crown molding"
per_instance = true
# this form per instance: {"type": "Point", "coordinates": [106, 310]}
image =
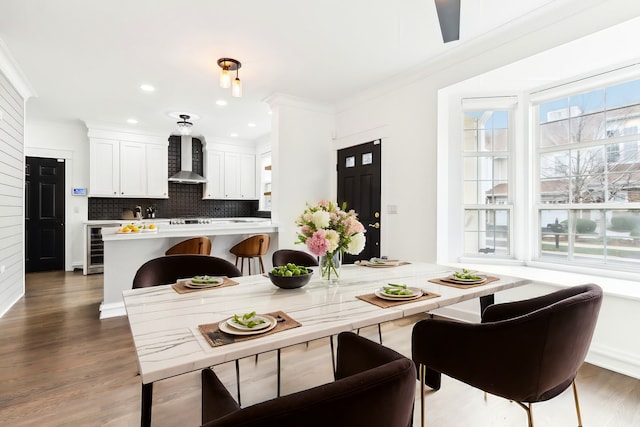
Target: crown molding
{"type": "Point", "coordinates": [10, 68]}
{"type": "Point", "coordinates": [283, 100]}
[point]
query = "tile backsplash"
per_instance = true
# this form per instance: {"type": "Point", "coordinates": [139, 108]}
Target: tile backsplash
{"type": "Point", "coordinates": [185, 200]}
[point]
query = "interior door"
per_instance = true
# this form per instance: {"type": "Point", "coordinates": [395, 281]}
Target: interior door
{"type": "Point", "coordinates": [44, 214]}
{"type": "Point", "coordinates": [359, 186]}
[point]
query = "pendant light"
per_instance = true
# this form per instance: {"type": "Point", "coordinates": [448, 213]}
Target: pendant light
{"type": "Point", "coordinates": [227, 65]}
{"type": "Point", "coordinates": [184, 126]}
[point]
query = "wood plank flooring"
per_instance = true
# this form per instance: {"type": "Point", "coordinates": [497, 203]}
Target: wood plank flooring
{"type": "Point", "coordinates": [62, 366]}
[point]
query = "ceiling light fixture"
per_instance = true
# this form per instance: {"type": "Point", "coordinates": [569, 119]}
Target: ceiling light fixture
{"type": "Point", "coordinates": [184, 126]}
{"type": "Point", "coordinates": [132, 121]}
{"type": "Point", "coordinates": [228, 64]}
{"type": "Point", "coordinates": [221, 102]}
{"type": "Point", "coordinates": [147, 88]}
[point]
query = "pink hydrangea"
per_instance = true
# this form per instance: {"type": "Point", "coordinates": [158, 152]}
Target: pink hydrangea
{"type": "Point", "coordinates": [318, 243]}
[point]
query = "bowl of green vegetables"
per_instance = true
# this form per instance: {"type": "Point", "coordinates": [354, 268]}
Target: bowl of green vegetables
{"type": "Point", "coordinates": [290, 276]}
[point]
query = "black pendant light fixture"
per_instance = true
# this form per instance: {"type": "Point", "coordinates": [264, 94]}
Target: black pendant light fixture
{"type": "Point", "coordinates": [227, 65]}
{"type": "Point", "coordinates": [184, 126]}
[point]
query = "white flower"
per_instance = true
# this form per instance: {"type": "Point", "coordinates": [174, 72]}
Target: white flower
{"type": "Point", "coordinates": [333, 238]}
{"type": "Point", "coordinates": [321, 219]}
{"type": "Point", "coordinates": [356, 245]}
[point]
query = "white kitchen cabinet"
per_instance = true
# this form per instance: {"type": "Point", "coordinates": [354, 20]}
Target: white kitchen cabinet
{"type": "Point", "coordinates": [104, 168]}
{"type": "Point", "coordinates": [120, 168]}
{"type": "Point", "coordinates": [214, 172]}
{"type": "Point", "coordinates": [248, 176]}
{"type": "Point", "coordinates": [157, 171]}
{"type": "Point", "coordinates": [230, 175]}
{"type": "Point", "coordinates": [133, 169]}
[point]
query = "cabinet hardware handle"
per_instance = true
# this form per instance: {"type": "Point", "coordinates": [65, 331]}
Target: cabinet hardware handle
{"type": "Point", "coordinates": [376, 225]}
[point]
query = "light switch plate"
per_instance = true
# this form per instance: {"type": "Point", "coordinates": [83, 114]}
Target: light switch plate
{"type": "Point", "coordinates": [392, 209]}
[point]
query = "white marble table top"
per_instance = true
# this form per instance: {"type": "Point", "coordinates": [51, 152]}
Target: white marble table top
{"type": "Point", "coordinates": [168, 343]}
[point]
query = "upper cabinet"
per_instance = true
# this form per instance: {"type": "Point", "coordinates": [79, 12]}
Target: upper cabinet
{"type": "Point", "coordinates": [124, 165]}
{"type": "Point", "coordinates": [230, 175]}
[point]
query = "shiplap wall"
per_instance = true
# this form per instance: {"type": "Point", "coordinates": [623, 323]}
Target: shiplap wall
{"type": "Point", "coordinates": [11, 194]}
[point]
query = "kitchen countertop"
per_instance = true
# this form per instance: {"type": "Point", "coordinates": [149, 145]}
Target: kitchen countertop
{"type": "Point", "coordinates": [219, 226]}
{"type": "Point", "coordinates": [125, 253]}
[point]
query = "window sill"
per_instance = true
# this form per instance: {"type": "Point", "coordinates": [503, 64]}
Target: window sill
{"type": "Point", "coordinates": [615, 283]}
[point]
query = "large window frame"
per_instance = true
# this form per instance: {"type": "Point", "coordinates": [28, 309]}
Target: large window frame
{"type": "Point", "coordinates": [581, 203]}
{"type": "Point", "coordinates": [487, 190]}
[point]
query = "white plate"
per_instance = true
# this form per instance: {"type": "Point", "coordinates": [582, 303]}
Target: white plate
{"type": "Point", "coordinates": [189, 284]}
{"type": "Point", "coordinates": [148, 230]}
{"type": "Point", "coordinates": [232, 330]}
{"type": "Point", "coordinates": [379, 264]}
{"type": "Point", "coordinates": [417, 293]}
{"type": "Point", "coordinates": [453, 278]}
{"type": "Point", "coordinates": [264, 325]}
{"type": "Point", "coordinates": [128, 232]}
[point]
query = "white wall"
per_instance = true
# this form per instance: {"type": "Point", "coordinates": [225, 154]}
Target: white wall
{"type": "Point", "coordinates": [301, 161]}
{"type": "Point", "coordinates": [66, 140]}
{"type": "Point", "coordinates": [12, 260]}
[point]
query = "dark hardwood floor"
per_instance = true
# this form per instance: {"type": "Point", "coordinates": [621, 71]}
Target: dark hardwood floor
{"type": "Point", "coordinates": [62, 366]}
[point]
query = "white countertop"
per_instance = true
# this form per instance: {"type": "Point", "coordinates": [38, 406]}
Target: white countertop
{"type": "Point", "coordinates": [218, 227]}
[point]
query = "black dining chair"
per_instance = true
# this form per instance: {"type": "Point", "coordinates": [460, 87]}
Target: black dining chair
{"type": "Point", "coordinates": [525, 351]}
{"type": "Point", "coordinates": [374, 386]}
{"type": "Point", "coordinates": [169, 268]}
{"type": "Point", "coordinates": [285, 256]}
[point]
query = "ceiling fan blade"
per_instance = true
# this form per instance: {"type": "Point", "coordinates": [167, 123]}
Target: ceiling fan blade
{"type": "Point", "coordinates": [449, 17]}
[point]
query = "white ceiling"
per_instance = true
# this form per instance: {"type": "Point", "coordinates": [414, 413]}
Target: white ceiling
{"type": "Point", "coordinates": [86, 59]}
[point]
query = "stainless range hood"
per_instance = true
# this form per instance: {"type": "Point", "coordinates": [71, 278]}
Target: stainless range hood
{"type": "Point", "coordinates": [186, 174]}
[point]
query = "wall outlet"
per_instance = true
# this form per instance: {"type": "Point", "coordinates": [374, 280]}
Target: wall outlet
{"type": "Point", "coordinates": [392, 209]}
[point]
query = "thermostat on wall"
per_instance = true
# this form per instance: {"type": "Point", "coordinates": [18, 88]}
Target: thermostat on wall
{"type": "Point", "coordinates": [79, 191]}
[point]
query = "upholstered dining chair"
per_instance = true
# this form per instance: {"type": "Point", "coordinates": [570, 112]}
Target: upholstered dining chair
{"type": "Point", "coordinates": [249, 248]}
{"type": "Point", "coordinates": [285, 256]}
{"type": "Point", "coordinates": [195, 245]}
{"type": "Point", "coordinates": [167, 269]}
{"type": "Point", "coordinates": [526, 351]}
{"type": "Point", "coordinates": [374, 386]}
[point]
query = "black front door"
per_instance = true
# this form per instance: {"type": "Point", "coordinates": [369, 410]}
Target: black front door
{"type": "Point", "coordinates": [44, 214]}
{"type": "Point", "coordinates": [359, 186]}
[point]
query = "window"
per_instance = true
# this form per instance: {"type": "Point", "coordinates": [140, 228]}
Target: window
{"type": "Point", "coordinates": [486, 191]}
{"type": "Point", "coordinates": [588, 177]}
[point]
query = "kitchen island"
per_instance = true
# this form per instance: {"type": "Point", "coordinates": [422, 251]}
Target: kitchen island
{"type": "Point", "coordinates": [125, 253]}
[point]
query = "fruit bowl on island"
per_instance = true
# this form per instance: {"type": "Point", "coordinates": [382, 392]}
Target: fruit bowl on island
{"type": "Point", "coordinates": [290, 276]}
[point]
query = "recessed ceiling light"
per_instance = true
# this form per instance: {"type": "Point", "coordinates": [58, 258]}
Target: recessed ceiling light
{"type": "Point", "coordinates": [221, 102]}
{"type": "Point", "coordinates": [234, 135]}
{"type": "Point", "coordinates": [270, 112]}
{"type": "Point", "coordinates": [147, 88]}
{"type": "Point", "coordinates": [132, 121]}
{"type": "Point", "coordinates": [251, 125]}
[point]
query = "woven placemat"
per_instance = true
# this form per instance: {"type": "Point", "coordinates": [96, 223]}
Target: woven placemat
{"type": "Point", "coordinates": [373, 299]}
{"type": "Point", "coordinates": [215, 337]}
{"type": "Point", "coordinates": [447, 282]}
{"type": "Point", "coordinates": [180, 287]}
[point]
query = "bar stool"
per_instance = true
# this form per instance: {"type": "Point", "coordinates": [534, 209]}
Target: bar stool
{"type": "Point", "coordinates": [249, 248]}
{"type": "Point", "coordinates": [196, 245]}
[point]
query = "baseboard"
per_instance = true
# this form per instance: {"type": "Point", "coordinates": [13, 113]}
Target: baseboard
{"type": "Point", "coordinates": [112, 310]}
{"type": "Point", "coordinates": [615, 360]}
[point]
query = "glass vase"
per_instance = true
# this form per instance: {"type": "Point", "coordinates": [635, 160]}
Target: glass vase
{"type": "Point", "coordinates": [330, 266]}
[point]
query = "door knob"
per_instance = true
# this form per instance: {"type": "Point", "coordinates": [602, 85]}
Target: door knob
{"type": "Point", "coordinates": [376, 225]}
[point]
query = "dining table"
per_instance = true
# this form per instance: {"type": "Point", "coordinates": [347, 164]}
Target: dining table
{"type": "Point", "coordinates": [168, 327]}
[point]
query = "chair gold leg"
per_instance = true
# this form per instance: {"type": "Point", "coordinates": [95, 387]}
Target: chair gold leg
{"type": "Point", "coordinates": [423, 374]}
{"type": "Point", "coordinates": [530, 415]}
{"type": "Point", "coordinates": [529, 409]}
{"type": "Point", "coordinates": [575, 398]}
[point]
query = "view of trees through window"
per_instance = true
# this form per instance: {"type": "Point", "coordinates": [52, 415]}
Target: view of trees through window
{"type": "Point", "coordinates": [589, 176]}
